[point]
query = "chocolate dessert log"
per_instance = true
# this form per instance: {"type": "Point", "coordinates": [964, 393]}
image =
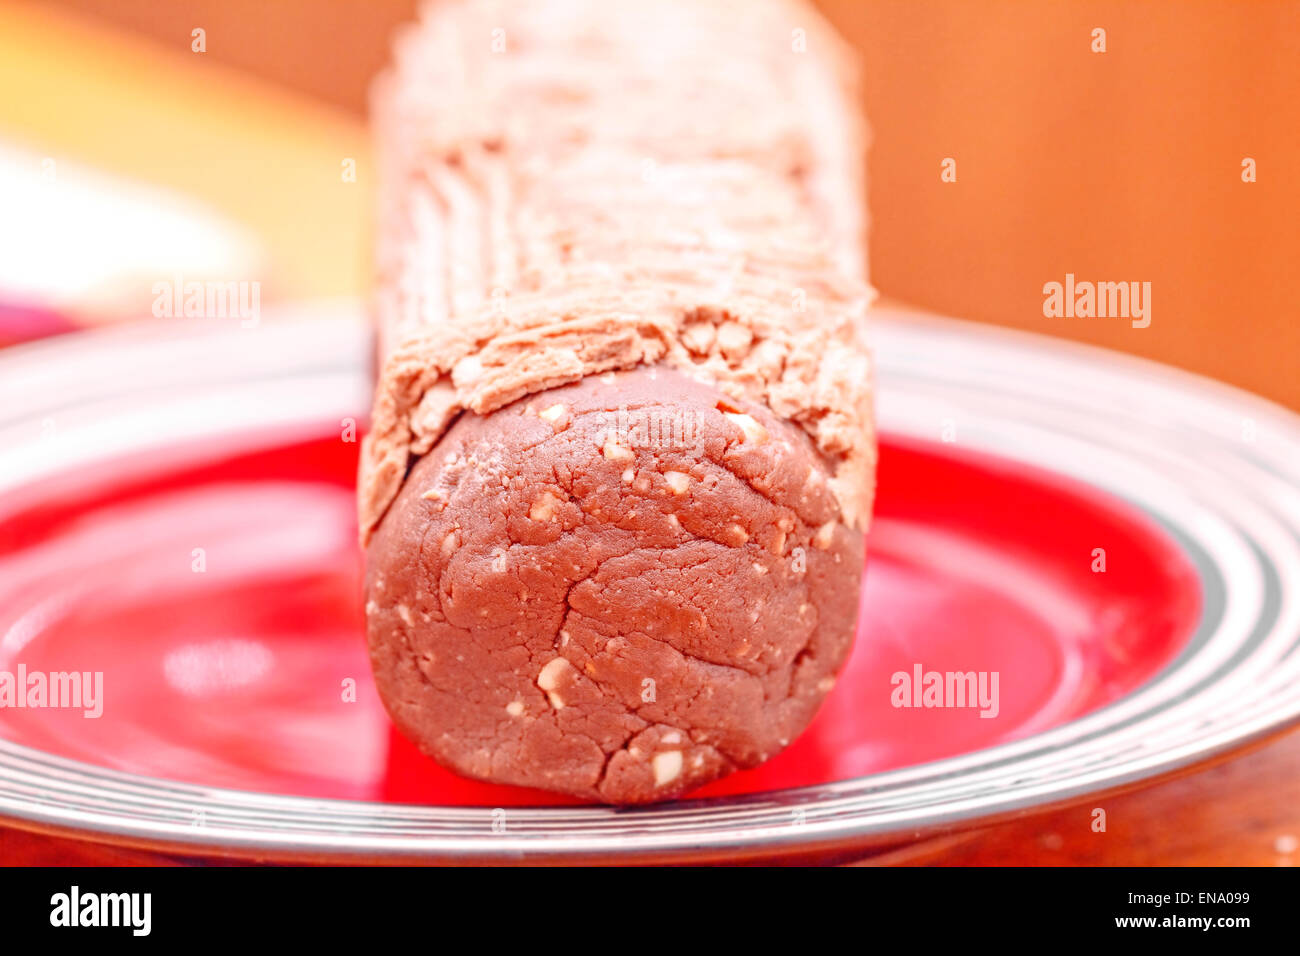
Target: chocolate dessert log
{"type": "Point", "coordinates": [621, 457]}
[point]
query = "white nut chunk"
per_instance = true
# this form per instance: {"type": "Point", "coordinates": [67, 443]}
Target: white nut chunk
{"type": "Point", "coordinates": [549, 680]}
{"type": "Point", "coordinates": [615, 451]}
{"type": "Point", "coordinates": [678, 481]}
{"type": "Point", "coordinates": [754, 432]}
{"type": "Point", "coordinates": [667, 766]}
{"type": "Point", "coordinates": [544, 507]}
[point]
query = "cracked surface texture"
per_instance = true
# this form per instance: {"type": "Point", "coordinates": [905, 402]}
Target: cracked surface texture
{"type": "Point", "coordinates": [613, 593]}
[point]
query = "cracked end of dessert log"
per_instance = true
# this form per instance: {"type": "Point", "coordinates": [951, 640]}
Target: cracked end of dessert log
{"type": "Point", "coordinates": [619, 589]}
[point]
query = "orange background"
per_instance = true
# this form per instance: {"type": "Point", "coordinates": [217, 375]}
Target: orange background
{"type": "Point", "coordinates": [1123, 165]}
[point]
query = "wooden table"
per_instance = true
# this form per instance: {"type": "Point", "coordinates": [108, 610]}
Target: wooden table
{"type": "Point", "coordinates": [1242, 812]}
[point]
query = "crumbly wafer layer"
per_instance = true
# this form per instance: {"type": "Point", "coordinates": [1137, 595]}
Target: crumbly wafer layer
{"type": "Point", "coordinates": [570, 188]}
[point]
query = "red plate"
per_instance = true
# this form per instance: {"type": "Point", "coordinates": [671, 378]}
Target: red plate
{"type": "Point", "coordinates": [233, 675]}
{"type": "Point", "coordinates": [215, 583]}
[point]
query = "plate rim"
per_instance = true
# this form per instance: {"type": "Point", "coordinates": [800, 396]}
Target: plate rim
{"type": "Point", "coordinates": [483, 845]}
